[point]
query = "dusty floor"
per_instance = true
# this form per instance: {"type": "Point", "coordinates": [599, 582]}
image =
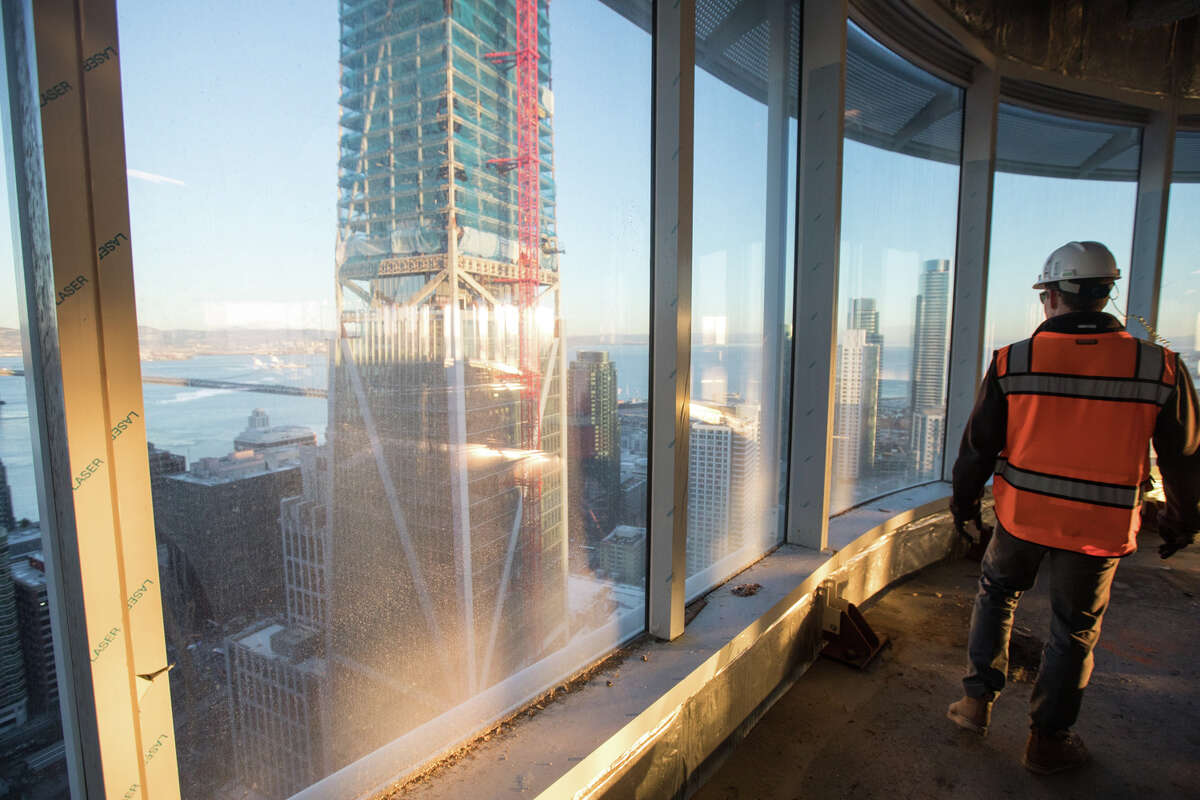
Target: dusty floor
{"type": "Point", "coordinates": [882, 733]}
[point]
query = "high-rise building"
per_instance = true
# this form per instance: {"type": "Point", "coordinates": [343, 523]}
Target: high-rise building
{"type": "Point", "coordinates": [856, 399]}
{"type": "Point", "coordinates": [724, 471]}
{"type": "Point", "coordinates": [219, 522]}
{"type": "Point", "coordinates": [37, 640]}
{"type": "Point", "coordinates": [277, 681]}
{"type": "Point", "coordinates": [163, 463]}
{"type": "Point", "coordinates": [448, 459]}
{"type": "Point", "coordinates": [865, 316]}
{"type": "Point", "coordinates": [928, 436]}
{"type": "Point", "coordinates": [7, 520]}
{"type": "Point", "coordinates": [277, 671]}
{"type": "Point", "coordinates": [931, 341]}
{"type": "Point", "coordinates": [622, 555]}
{"type": "Point", "coordinates": [710, 448]}
{"type": "Point", "coordinates": [306, 543]}
{"type": "Point", "coordinates": [14, 704]}
{"type": "Point", "coordinates": [595, 447]}
{"type": "Point", "coordinates": [634, 427]}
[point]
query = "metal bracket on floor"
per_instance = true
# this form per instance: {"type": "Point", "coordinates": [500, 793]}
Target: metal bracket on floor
{"type": "Point", "coordinates": [849, 639]}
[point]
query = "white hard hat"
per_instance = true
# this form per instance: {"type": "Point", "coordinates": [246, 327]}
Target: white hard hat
{"type": "Point", "coordinates": [1076, 261]}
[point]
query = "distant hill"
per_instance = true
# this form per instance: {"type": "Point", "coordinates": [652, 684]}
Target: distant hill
{"type": "Point", "coordinates": [157, 344]}
{"type": "Point", "coordinates": [10, 342]}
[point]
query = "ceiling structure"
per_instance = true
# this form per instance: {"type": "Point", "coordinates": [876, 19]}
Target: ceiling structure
{"type": "Point", "coordinates": [1147, 46]}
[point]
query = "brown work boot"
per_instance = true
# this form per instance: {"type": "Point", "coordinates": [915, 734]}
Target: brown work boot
{"type": "Point", "coordinates": [972, 713]}
{"type": "Point", "coordinates": [1048, 752]}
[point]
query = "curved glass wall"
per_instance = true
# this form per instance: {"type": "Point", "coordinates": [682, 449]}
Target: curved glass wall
{"type": "Point", "coordinates": [1179, 299]}
{"type": "Point", "coordinates": [395, 316]}
{"type": "Point", "coordinates": [746, 90]}
{"type": "Point", "coordinates": [895, 286]}
{"type": "Point", "coordinates": [1057, 179]}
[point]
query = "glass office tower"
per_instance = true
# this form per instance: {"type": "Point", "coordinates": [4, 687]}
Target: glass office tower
{"type": "Point", "coordinates": [448, 538]}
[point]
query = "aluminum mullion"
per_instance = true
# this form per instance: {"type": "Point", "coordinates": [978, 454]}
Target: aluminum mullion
{"type": "Point", "coordinates": [102, 414]}
{"type": "Point", "coordinates": [670, 312]}
{"type": "Point", "coordinates": [775, 263]}
{"type": "Point", "coordinates": [1150, 222]}
{"type": "Point", "coordinates": [819, 203]}
{"type": "Point", "coordinates": [47, 418]}
{"type": "Point", "coordinates": [975, 183]}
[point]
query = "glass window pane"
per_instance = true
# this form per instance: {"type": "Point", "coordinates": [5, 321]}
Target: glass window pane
{"type": "Point", "coordinates": [32, 757]}
{"type": "Point", "coordinates": [1179, 303]}
{"type": "Point", "coordinates": [1057, 180]}
{"type": "Point", "coordinates": [895, 286]}
{"type": "Point", "coordinates": [741, 307]}
{"type": "Point", "coordinates": [395, 316]}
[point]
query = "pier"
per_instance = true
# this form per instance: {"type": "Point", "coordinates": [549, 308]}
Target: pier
{"type": "Point", "coordinates": [207, 383]}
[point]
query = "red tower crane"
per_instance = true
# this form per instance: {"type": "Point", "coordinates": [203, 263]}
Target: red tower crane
{"type": "Point", "coordinates": [528, 166]}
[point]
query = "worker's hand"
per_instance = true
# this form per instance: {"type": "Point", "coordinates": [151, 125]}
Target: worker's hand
{"type": "Point", "coordinates": [1173, 540]}
{"type": "Point", "coordinates": [973, 517]}
{"type": "Point", "coordinates": [981, 532]}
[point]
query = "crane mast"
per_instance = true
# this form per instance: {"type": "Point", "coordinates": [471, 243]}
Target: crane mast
{"type": "Point", "coordinates": [528, 167]}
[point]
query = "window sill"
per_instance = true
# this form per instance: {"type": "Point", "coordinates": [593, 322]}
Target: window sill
{"type": "Point", "coordinates": [652, 715]}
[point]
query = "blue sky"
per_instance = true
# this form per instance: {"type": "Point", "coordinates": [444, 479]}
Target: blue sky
{"type": "Point", "coordinates": [1031, 217]}
{"type": "Point", "coordinates": [1179, 307]}
{"type": "Point", "coordinates": [897, 211]}
{"type": "Point", "coordinates": [231, 136]}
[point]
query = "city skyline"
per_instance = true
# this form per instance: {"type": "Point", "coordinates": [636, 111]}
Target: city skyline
{"type": "Point", "coordinates": [875, 451]}
{"type": "Point", "coordinates": [446, 477]}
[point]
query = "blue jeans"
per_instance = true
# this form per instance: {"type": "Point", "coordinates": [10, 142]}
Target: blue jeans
{"type": "Point", "coordinates": [1079, 590]}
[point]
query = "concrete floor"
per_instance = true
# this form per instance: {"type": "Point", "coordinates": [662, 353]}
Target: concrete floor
{"type": "Point", "coordinates": [882, 733]}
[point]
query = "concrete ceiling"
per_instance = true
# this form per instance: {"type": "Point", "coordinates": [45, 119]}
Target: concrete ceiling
{"type": "Point", "coordinates": [1150, 46]}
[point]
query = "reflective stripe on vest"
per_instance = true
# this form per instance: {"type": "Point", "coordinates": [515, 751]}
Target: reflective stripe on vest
{"type": "Point", "coordinates": [1113, 495]}
{"type": "Point", "coordinates": [1081, 412]}
{"type": "Point", "coordinates": [1117, 389]}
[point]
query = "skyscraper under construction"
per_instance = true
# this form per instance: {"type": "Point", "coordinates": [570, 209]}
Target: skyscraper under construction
{"type": "Point", "coordinates": [448, 547]}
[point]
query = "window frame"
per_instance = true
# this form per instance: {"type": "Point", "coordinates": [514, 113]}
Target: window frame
{"type": "Point", "coordinates": [820, 137]}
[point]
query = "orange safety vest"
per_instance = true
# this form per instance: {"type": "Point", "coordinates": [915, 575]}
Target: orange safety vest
{"type": "Point", "coordinates": [1081, 413]}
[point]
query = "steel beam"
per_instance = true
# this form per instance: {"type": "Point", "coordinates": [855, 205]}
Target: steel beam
{"type": "Point", "coordinates": [938, 108]}
{"type": "Point", "coordinates": [1117, 144]}
{"type": "Point", "coordinates": [514, 538]}
{"type": "Point", "coordinates": [818, 230]}
{"type": "Point", "coordinates": [670, 312]}
{"type": "Point", "coordinates": [1150, 223]}
{"type": "Point", "coordinates": [975, 182]}
{"type": "Point", "coordinates": [745, 17]}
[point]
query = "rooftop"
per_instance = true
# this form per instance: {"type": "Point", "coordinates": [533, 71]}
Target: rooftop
{"type": "Point", "coordinates": [236, 466]}
{"type": "Point", "coordinates": [260, 642]}
{"type": "Point", "coordinates": [628, 532]}
{"type": "Point", "coordinates": [277, 436]}
{"type": "Point", "coordinates": [24, 572]}
{"type": "Point", "coordinates": [24, 541]}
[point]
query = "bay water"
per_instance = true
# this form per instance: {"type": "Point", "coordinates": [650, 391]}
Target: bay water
{"type": "Point", "coordinates": [202, 422]}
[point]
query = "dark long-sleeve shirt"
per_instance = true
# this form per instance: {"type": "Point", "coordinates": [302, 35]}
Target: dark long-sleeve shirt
{"type": "Point", "coordinates": [1176, 435]}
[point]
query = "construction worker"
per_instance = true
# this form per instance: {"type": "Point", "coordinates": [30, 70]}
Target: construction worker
{"type": "Point", "coordinates": [1064, 421]}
